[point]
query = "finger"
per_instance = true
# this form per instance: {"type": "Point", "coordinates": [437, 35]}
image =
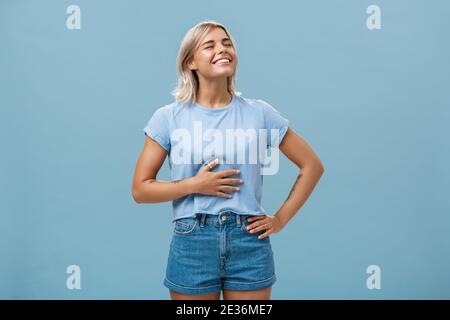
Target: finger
{"type": "Point", "coordinates": [223, 195]}
{"type": "Point", "coordinates": [256, 224]}
{"type": "Point", "coordinates": [225, 173]}
{"type": "Point", "coordinates": [265, 234]}
{"type": "Point", "coordinates": [230, 181]}
{"type": "Point", "coordinates": [230, 188]}
{"type": "Point", "coordinates": [255, 218]}
{"type": "Point", "coordinates": [261, 227]}
{"type": "Point", "coordinates": [210, 165]}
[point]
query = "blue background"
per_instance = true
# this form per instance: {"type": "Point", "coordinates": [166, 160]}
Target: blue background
{"type": "Point", "coordinates": [373, 104]}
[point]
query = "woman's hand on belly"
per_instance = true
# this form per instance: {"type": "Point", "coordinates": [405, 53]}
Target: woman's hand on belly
{"type": "Point", "coordinates": [215, 183]}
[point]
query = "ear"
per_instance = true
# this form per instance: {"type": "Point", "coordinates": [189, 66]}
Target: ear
{"type": "Point", "coordinates": [191, 64]}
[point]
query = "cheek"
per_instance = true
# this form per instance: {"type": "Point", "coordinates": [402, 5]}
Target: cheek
{"type": "Point", "coordinates": [204, 64]}
{"type": "Point", "coordinates": [206, 58]}
{"type": "Point", "coordinates": [235, 60]}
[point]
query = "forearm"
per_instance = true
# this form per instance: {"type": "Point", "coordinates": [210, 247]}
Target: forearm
{"type": "Point", "coordinates": [153, 191]}
{"type": "Point", "coordinates": [300, 191]}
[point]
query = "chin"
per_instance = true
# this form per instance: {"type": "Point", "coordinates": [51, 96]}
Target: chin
{"type": "Point", "coordinates": [216, 75]}
{"type": "Point", "coordinates": [227, 73]}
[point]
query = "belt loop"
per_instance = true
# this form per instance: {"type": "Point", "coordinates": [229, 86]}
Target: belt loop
{"type": "Point", "coordinates": [202, 219]}
{"type": "Point", "coordinates": [238, 220]}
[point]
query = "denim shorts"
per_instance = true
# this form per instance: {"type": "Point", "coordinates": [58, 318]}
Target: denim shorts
{"type": "Point", "coordinates": [209, 253]}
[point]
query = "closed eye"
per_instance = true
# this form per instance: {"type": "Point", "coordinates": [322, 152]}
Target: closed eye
{"type": "Point", "coordinates": [226, 45]}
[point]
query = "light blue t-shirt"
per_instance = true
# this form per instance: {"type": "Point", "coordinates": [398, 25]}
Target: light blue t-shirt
{"type": "Point", "coordinates": [245, 135]}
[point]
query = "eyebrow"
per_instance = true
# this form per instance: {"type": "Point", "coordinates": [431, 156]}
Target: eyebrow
{"type": "Point", "coordinates": [210, 41]}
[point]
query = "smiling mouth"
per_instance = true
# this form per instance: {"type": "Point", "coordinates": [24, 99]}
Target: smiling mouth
{"type": "Point", "coordinates": [222, 61]}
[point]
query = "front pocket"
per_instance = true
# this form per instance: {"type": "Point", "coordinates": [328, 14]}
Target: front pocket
{"type": "Point", "coordinates": [185, 226]}
{"type": "Point", "coordinates": [245, 223]}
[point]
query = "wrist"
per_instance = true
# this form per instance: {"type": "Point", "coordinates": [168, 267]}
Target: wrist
{"type": "Point", "coordinates": [190, 185]}
{"type": "Point", "coordinates": [282, 221]}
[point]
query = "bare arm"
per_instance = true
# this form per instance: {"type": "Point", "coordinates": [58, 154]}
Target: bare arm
{"type": "Point", "coordinates": [145, 186]}
{"type": "Point", "coordinates": [296, 149]}
{"type": "Point", "coordinates": [147, 189]}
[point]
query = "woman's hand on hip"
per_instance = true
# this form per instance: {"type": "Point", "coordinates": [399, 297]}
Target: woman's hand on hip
{"type": "Point", "coordinates": [271, 224]}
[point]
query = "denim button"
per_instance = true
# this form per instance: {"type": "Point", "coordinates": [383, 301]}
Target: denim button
{"type": "Point", "coordinates": [224, 218]}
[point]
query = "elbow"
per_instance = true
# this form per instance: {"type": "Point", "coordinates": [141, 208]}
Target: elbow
{"type": "Point", "coordinates": [136, 195]}
{"type": "Point", "coordinates": [316, 167]}
{"type": "Point", "coordinates": [140, 198]}
{"type": "Point", "coordinates": [321, 168]}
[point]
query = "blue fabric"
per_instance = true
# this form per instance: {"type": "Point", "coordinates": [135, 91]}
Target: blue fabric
{"type": "Point", "coordinates": [193, 135]}
{"type": "Point", "coordinates": [210, 253]}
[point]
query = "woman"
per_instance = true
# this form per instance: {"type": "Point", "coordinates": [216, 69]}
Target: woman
{"type": "Point", "coordinates": [221, 235]}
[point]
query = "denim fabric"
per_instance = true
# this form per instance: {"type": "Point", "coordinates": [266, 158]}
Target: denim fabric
{"type": "Point", "coordinates": [210, 253]}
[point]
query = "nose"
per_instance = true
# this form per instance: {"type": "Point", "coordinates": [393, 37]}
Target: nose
{"type": "Point", "coordinates": [221, 48]}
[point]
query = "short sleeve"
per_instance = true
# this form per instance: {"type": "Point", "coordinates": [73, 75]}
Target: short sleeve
{"type": "Point", "coordinates": [157, 128]}
{"type": "Point", "coordinates": [276, 124]}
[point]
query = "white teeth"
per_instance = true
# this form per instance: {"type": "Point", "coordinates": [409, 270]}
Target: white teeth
{"type": "Point", "coordinates": [221, 61]}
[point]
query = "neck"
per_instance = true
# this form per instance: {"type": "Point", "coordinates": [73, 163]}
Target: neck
{"type": "Point", "coordinates": [213, 93]}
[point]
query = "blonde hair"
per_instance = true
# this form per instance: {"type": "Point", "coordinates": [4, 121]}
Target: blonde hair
{"type": "Point", "coordinates": [186, 90]}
